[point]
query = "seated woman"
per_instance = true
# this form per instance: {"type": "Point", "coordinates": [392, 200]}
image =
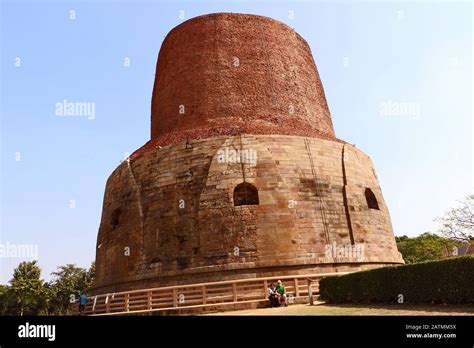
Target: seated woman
{"type": "Point", "coordinates": [273, 296]}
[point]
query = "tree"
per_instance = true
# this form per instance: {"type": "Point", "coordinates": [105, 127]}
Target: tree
{"type": "Point", "coordinates": [6, 300]}
{"type": "Point", "coordinates": [425, 247]}
{"type": "Point", "coordinates": [67, 285]}
{"type": "Point", "coordinates": [90, 276]}
{"type": "Point", "coordinates": [27, 291]}
{"type": "Point", "coordinates": [28, 294]}
{"type": "Point", "coordinates": [458, 223]}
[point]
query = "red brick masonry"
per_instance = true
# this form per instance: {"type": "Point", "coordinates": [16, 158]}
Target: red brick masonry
{"type": "Point", "coordinates": [228, 82]}
{"type": "Point", "coordinates": [236, 73]}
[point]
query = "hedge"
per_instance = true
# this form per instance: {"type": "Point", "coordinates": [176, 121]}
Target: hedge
{"type": "Point", "coordinates": [447, 281]}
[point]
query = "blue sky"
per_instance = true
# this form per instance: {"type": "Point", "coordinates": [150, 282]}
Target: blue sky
{"type": "Point", "coordinates": [397, 76]}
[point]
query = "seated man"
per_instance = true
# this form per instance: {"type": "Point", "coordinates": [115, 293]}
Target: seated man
{"type": "Point", "coordinates": [280, 289]}
{"type": "Point", "coordinates": [273, 296]}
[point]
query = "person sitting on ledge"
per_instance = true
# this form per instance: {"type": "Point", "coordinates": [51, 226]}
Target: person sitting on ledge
{"type": "Point", "coordinates": [280, 290]}
{"type": "Point", "coordinates": [273, 296]}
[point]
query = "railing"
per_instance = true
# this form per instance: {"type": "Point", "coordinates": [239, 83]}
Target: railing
{"type": "Point", "coordinates": [200, 295]}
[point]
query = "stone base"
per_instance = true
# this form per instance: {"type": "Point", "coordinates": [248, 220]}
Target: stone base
{"type": "Point", "coordinates": [170, 218]}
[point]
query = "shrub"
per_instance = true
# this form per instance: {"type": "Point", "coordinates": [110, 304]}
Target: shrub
{"type": "Point", "coordinates": [447, 281]}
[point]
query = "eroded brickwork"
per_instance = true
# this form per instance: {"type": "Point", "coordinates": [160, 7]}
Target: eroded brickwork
{"type": "Point", "coordinates": [169, 215]}
{"type": "Point", "coordinates": [181, 225]}
{"type": "Point", "coordinates": [226, 74]}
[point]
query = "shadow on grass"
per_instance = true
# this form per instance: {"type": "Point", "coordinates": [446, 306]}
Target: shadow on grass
{"type": "Point", "coordinates": [446, 308]}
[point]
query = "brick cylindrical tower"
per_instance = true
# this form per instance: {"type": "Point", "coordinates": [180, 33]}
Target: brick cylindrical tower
{"type": "Point", "coordinates": [229, 74]}
{"type": "Point", "coordinates": [243, 176]}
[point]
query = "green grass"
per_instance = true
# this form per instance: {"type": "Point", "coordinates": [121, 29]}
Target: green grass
{"type": "Point", "coordinates": [352, 309]}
